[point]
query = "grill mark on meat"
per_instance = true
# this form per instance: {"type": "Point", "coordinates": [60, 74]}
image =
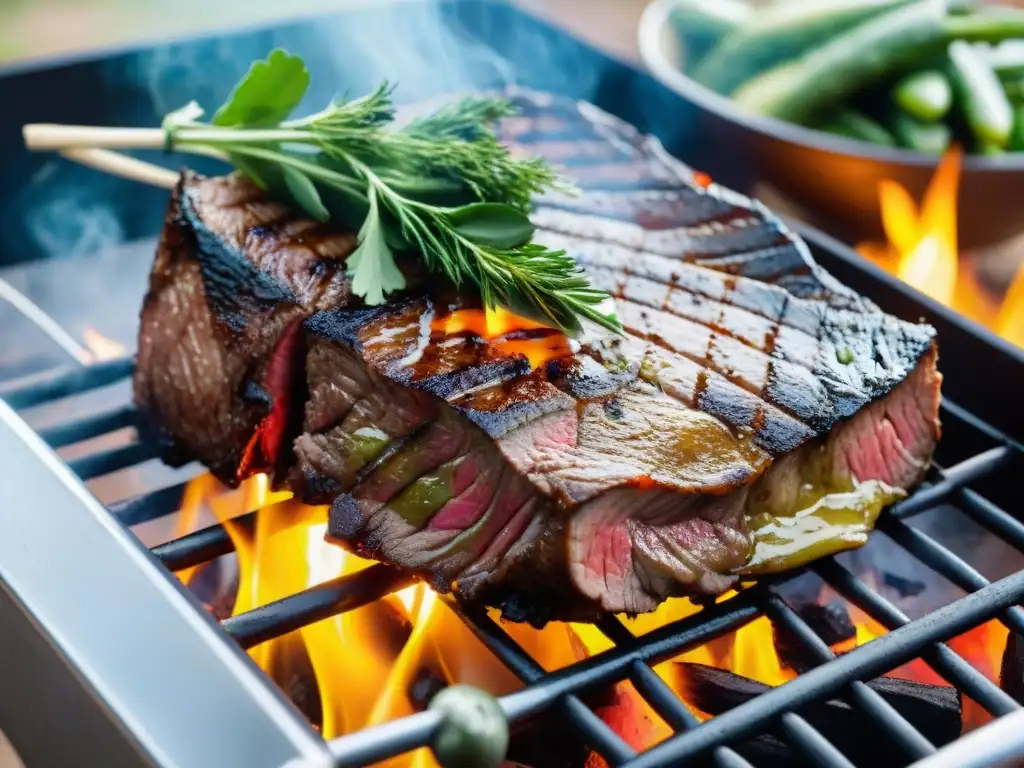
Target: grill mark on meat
{"type": "Point", "coordinates": [565, 437]}
{"type": "Point", "coordinates": [780, 389]}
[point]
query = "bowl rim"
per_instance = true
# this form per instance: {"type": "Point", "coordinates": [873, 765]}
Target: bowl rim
{"type": "Point", "coordinates": [653, 21]}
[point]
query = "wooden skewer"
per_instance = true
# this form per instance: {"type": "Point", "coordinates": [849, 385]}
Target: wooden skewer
{"type": "Point", "coordinates": [121, 165]}
{"type": "Point", "coordinates": [50, 137]}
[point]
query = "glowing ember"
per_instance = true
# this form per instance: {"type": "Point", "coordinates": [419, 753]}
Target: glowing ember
{"type": "Point", "coordinates": [507, 334]}
{"type": "Point", "coordinates": [922, 251]}
{"type": "Point", "coordinates": [100, 347]}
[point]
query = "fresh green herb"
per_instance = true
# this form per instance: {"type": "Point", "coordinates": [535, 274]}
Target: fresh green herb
{"type": "Point", "coordinates": [442, 185]}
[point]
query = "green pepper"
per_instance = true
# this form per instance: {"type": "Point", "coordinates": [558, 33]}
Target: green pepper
{"type": "Point", "coordinates": [473, 731]}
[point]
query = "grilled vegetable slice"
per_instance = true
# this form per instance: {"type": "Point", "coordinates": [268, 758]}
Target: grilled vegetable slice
{"type": "Point", "coordinates": [982, 98]}
{"type": "Point", "coordinates": [926, 95]}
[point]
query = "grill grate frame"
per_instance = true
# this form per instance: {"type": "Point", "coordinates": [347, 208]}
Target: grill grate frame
{"type": "Point", "coordinates": [633, 657]}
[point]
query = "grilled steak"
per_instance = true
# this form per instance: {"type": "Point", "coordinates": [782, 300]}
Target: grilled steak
{"type": "Point", "coordinates": [757, 413]}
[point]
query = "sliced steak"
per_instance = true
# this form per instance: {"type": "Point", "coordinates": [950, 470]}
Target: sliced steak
{"type": "Point", "coordinates": [755, 415]}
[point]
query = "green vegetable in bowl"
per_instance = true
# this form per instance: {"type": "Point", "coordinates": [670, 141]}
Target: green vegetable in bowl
{"type": "Point", "coordinates": [700, 24]}
{"type": "Point", "coordinates": [1007, 58]}
{"type": "Point", "coordinates": [1017, 135]}
{"type": "Point", "coordinates": [982, 98]}
{"type": "Point", "coordinates": [781, 33]}
{"type": "Point", "coordinates": [926, 95]}
{"type": "Point", "coordinates": [931, 138]}
{"type": "Point", "coordinates": [827, 76]}
{"type": "Point", "coordinates": [854, 124]}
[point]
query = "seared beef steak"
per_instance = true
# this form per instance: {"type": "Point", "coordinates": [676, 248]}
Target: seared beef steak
{"type": "Point", "coordinates": [757, 413]}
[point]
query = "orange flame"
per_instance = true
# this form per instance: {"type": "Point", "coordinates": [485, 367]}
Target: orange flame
{"type": "Point", "coordinates": [496, 326]}
{"type": "Point", "coordinates": [100, 347]}
{"type": "Point", "coordinates": [368, 662]}
{"type": "Point", "coordinates": [922, 251]}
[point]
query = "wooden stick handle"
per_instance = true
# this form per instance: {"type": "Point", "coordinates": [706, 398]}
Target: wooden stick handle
{"type": "Point", "coordinates": [123, 166]}
{"type": "Point", "coordinates": [48, 137]}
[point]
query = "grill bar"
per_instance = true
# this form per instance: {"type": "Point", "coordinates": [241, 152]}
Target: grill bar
{"type": "Point", "coordinates": [870, 660]}
{"type": "Point", "coordinates": [870, 703]}
{"type": "Point", "coordinates": [345, 593]}
{"type": "Point", "coordinates": [662, 698]}
{"type": "Point", "coordinates": [1004, 525]}
{"type": "Point", "coordinates": [53, 385]}
{"type": "Point", "coordinates": [96, 465]}
{"type": "Point", "coordinates": [940, 657]}
{"type": "Point", "coordinates": [201, 546]}
{"type": "Point", "coordinates": [942, 561]}
{"type": "Point", "coordinates": [597, 734]}
{"type": "Point", "coordinates": [98, 424]}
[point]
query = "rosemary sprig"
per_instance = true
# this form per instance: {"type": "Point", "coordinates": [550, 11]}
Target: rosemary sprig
{"type": "Point", "coordinates": [442, 185]}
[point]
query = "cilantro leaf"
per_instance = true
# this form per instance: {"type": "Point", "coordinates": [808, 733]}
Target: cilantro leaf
{"type": "Point", "coordinates": [267, 94]}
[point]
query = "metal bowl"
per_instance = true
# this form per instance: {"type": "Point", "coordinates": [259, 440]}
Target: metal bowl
{"type": "Point", "coordinates": [830, 180]}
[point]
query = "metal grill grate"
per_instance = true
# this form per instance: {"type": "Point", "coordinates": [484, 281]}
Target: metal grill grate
{"type": "Point", "coordinates": [632, 657]}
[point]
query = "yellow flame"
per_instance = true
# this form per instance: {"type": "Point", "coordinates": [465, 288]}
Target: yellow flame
{"type": "Point", "coordinates": [926, 241]}
{"type": "Point", "coordinates": [1010, 323]}
{"type": "Point", "coordinates": [922, 251]}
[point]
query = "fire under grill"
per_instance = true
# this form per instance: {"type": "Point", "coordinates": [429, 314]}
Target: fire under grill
{"type": "Point", "coordinates": [189, 670]}
{"type": "Point", "coordinates": [106, 658]}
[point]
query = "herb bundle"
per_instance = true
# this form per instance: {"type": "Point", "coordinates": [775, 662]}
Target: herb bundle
{"type": "Point", "coordinates": [441, 185]}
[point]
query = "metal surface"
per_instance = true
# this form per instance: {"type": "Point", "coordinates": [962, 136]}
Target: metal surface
{"type": "Point", "coordinates": [148, 677]}
{"type": "Point", "coordinates": [138, 644]}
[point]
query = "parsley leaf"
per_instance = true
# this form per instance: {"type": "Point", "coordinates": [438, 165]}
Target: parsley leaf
{"type": "Point", "coordinates": [268, 93]}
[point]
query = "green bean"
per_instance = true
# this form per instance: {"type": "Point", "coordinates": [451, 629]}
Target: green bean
{"type": "Point", "coordinates": [926, 95]}
{"type": "Point", "coordinates": [829, 75]}
{"type": "Point", "coordinates": [854, 124]}
{"type": "Point", "coordinates": [981, 95]}
{"type": "Point", "coordinates": [931, 138]}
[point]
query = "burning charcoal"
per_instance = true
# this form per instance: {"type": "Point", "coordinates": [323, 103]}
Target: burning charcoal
{"type": "Point", "coordinates": [904, 587]}
{"type": "Point", "coordinates": [292, 670]}
{"type": "Point", "coordinates": [426, 684]}
{"type": "Point", "coordinates": [933, 710]}
{"type": "Point", "coordinates": [830, 622]}
{"type": "Point", "coordinates": [1011, 673]}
